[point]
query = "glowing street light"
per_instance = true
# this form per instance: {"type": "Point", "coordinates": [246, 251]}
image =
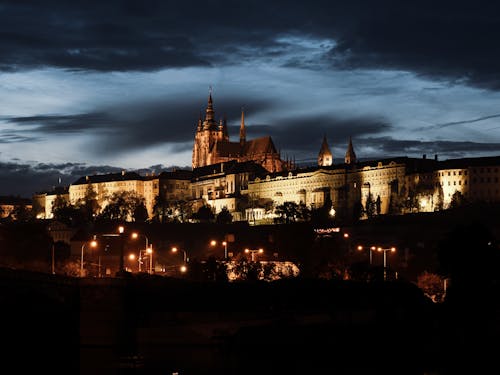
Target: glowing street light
{"type": "Point", "coordinates": [371, 249]}
{"type": "Point", "coordinates": [253, 252]}
{"type": "Point", "coordinates": [385, 250]}
{"type": "Point", "coordinates": [136, 235]}
{"type": "Point", "coordinates": [224, 243]}
{"type": "Point", "coordinates": [92, 243]}
{"type": "Point", "coordinates": [174, 250]}
{"type": "Point", "coordinates": [149, 250]}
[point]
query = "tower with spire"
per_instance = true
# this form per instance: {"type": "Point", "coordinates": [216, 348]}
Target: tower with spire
{"type": "Point", "coordinates": [350, 155]}
{"type": "Point", "coordinates": [325, 156]}
{"type": "Point", "coordinates": [212, 144]}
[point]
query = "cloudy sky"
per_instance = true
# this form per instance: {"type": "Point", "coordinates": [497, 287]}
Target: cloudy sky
{"type": "Point", "coordinates": [92, 87]}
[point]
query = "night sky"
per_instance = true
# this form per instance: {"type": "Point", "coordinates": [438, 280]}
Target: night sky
{"type": "Point", "coordinates": [93, 87]}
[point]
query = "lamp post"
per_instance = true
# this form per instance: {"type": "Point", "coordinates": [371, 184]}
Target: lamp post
{"type": "Point", "coordinates": [370, 249]}
{"type": "Point", "coordinates": [149, 250]}
{"type": "Point", "coordinates": [385, 250]}
{"type": "Point", "coordinates": [93, 243]}
{"type": "Point", "coordinates": [348, 239]}
{"type": "Point", "coordinates": [224, 243]}
{"type": "Point", "coordinates": [225, 249]}
{"type": "Point", "coordinates": [184, 254]}
{"type": "Point", "coordinates": [121, 229]}
{"type": "Point", "coordinates": [253, 252]}
{"type": "Point", "coordinates": [136, 235]}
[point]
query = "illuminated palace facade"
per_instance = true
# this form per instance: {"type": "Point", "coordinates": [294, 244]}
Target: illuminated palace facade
{"type": "Point", "coordinates": [250, 179]}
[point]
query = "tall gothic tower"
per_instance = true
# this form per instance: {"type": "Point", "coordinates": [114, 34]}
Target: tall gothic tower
{"type": "Point", "coordinates": [350, 156]}
{"type": "Point", "coordinates": [208, 133]}
{"type": "Point", "coordinates": [325, 157]}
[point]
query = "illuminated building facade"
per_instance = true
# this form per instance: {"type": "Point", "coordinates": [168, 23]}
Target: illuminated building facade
{"type": "Point", "coordinates": [212, 144]}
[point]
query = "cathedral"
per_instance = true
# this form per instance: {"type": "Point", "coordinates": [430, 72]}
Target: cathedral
{"type": "Point", "coordinates": [212, 144]}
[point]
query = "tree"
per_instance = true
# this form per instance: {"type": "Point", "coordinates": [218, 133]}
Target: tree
{"type": "Point", "coordinates": [224, 216]}
{"type": "Point", "coordinates": [89, 205]}
{"type": "Point", "coordinates": [378, 205]}
{"type": "Point", "coordinates": [21, 213]}
{"type": "Point", "coordinates": [160, 209]}
{"type": "Point", "coordinates": [204, 214]}
{"type": "Point", "coordinates": [457, 200]}
{"type": "Point", "coordinates": [432, 285]}
{"type": "Point", "coordinates": [411, 200]}
{"type": "Point", "coordinates": [122, 206]}
{"type": "Point", "coordinates": [357, 210]}
{"type": "Point", "coordinates": [287, 211]}
{"type": "Point", "coordinates": [370, 206]}
{"type": "Point", "coordinates": [140, 214]}
{"type": "Point", "coordinates": [439, 198]}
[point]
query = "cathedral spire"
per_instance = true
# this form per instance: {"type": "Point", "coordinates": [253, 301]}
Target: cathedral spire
{"type": "Point", "coordinates": [325, 157]}
{"type": "Point", "coordinates": [209, 122]}
{"type": "Point", "coordinates": [350, 156]}
{"type": "Point", "coordinates": [243, 136]}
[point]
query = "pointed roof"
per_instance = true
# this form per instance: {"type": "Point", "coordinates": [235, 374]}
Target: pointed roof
{"type": "Point", "coordinates": [350, 155]}
{"type": "Point", "coordinates": [209, 122]}
{"type": "Point", "coordinates": [325, 149]}
{"type": "Point", "coordinates": [325, 156]}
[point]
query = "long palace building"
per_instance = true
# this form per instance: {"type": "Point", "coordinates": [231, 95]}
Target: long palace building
{"type": "Point", "coordinates": [250, 179]}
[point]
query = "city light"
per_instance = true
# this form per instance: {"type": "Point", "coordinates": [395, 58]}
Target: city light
{"type": "Point", "coordinates": [92, 243]}
{"type": "Point", "coordinates": [253, 252]}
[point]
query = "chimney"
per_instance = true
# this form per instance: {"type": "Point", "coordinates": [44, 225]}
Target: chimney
{"type": "Point", "coordinates": [123, 172]}
{"type": "Point", "coordinates": [424, 156]}
{"type": "Point", "coordinates": [436, 157]}
{"type": "Point", "coordinates": [86, 178]}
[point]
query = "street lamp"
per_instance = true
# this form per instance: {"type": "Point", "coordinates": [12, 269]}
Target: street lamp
{"type": "Point", "coordinates": [253, 252]}
{"type": "Point", "coordinates": [134, 236]}
{"type": "Point", "coordinates": [385, 250]}
{"type": "Point", "coordinates": [348, 239]}
{"type": "Point", "coordinates": [225, 249]}
{"type": "Point", "coordinates": [149, 250]}
{"type": "Point", "coordinates": [224, 243]}
{"type": "Point", "coordinates": [174, 250]}
{"type": "Point", "coordinates": [371, 249]}
{"type": "Point", "coordinates": [93, 243]}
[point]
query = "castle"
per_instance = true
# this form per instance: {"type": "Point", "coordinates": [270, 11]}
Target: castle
{"type": "Point", "coordinates": [212, 144]}
{"type": "Point", "coordinates": [232, 175]}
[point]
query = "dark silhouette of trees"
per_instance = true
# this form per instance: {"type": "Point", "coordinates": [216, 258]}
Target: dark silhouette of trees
{"type": "Point", "coordinates": [290, 212]}
{"type": "Point", "coordinates": [204, 214]}
{"type": "Point", "coordinates": [89, 204]}
{"type": "Point", "coordinates": [457, 200]}
{"type": "Point", "coordinates": [370, 206]}
{"type": "Point", "coordinates": [224, 216]}
{"type": "Point", "coordinates": [122, 206]}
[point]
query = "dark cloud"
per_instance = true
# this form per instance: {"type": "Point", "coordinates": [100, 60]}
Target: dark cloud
{"type": "Point", "coordinates": [455, 40]}
{"type": "Point", "coordinates": [305, 134]}
{"type": "Point", "coordinates": [133, 126]}
{"type": "Point", "coordinates": [60, 124]}
{"type": "Point", "coordinates": [447, 149]}
{"type": "Point", "coordinates": [462, 122]}
{"type": "Point", "coordinates": [25, 179]}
